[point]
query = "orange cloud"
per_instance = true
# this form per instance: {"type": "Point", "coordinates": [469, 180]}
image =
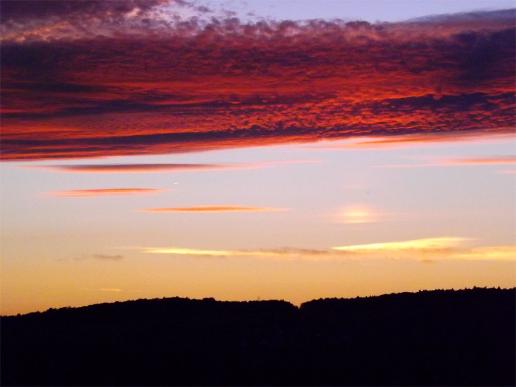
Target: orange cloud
{"type": "Point", "coordinates": [215, 208]}
{"type": "Point", "coordinates": [469, 161]}
{"type": "Point", "coordinates": [379, 142]}
{"type": "Point", "coordinates": [494, 160]}
{"type": "Point", "coordinates": [105, 192]}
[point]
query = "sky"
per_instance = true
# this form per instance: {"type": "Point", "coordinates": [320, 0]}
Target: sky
{"type": "Point", "coordinates": [254, 149]}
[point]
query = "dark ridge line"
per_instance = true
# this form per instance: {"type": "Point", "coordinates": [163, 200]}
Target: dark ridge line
{"type": "Point", "coordinates": [276, 301]}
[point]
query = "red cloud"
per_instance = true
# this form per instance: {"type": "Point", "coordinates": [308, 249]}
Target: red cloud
{"type": "Point", "coordinates": [105, 192]}
{"type": "Point", "coordinates": [214, 208]}
{"type": "Point", "coordinates": [149, 89]}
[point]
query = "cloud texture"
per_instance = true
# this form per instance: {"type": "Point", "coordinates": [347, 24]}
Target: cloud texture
{"type": "Point", "coordinates": [100, 78]}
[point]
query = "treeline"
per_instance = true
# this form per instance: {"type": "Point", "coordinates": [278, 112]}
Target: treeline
{"type": "Point", "coordinates": [442, 337]}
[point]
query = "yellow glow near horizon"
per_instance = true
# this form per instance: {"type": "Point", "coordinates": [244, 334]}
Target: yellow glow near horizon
{"type": "Point", "coordinates": [443, 248]}
{"type": "Point", "coordinates": [425, 244]}
{"type": "Point", "coordinates": [495, 253]}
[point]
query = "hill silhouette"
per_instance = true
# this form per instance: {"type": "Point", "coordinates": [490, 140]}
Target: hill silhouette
{"type": "Point", "coordinates": [442, 337]}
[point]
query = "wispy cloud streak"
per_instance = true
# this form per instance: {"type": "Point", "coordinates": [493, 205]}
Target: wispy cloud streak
{"type": "Point", "coordinates": [94, 192]}
{"type": "Point", "coordinates": [438, 249]}
{"type": "Point", "coordinates": [416, 245]}
{"type": "Point", "coordinates": [108, 257]}
{"type": "Point", "coordinates": [136, 168]}
{"type": "Point", "coordinates": [494, 160]}
{"type": "Point", "coordinates": [456, 162]}
{"type": "Point", "coordinates": [392, 142]}
{"type": "Point", "coordinates": [167, 167]}
{"type": "Point", "coordinates": [214, 209]}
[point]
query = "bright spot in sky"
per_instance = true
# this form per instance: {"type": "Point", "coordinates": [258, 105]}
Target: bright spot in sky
{"type": "Point", "coordinates": [357, 214]}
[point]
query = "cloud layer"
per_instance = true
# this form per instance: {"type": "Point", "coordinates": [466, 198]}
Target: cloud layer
{"type": "Point", "coordinates": [97, 78]}
{"type": "Point", "coordinates": [438, 249]}
{"type": "Point", "coordinates": [214, 208]}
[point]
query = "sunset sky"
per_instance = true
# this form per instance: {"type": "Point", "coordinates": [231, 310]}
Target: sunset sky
{"type": "Point", "coordinates": [254, 149]}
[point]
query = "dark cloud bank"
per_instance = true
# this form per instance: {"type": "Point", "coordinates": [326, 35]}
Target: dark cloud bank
{"type": "Point", "coordinates": [86, 79]}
